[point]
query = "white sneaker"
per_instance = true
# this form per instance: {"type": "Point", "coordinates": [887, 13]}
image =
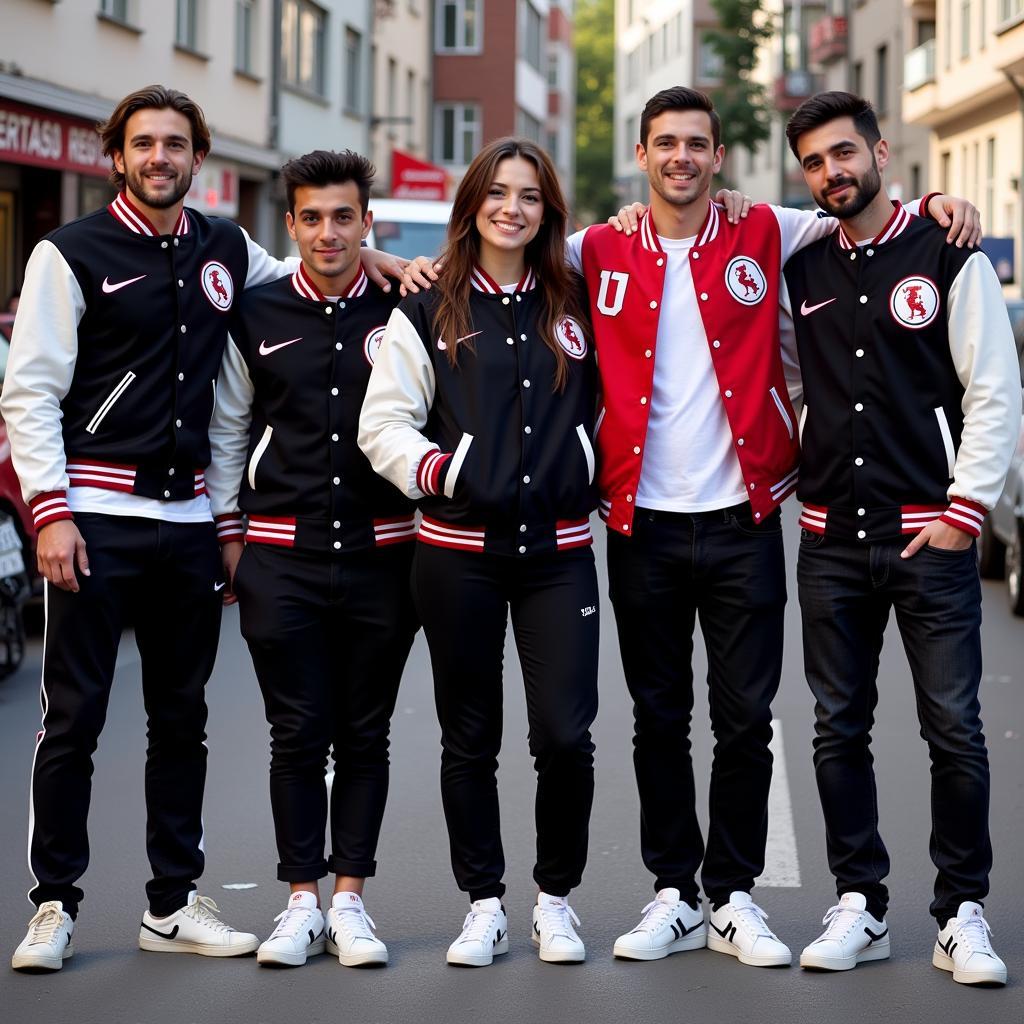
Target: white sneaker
{"type": "Point", "coordinates": [553, 931]}
{"type": "Point", "coordinates": [851, 936]}
{"type": "Point", "coordinates": [668, 925]}
{"type": "Point", "coordinates": [963, 948]}
{"type": "Point", "coordinates": [194, 929]}
{"type": "Point", "coordinates": [48, 942]}
{"type": "Point", "coordinates": [350, 933]}
{"type": "Point", "coordinates": [299, 933]}
{"type": "Point", "coordinates": [738, 928]}
{"type": "Point", "coordinates": [484, 935]}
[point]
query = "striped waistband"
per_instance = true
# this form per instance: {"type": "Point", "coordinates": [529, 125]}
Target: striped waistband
{"type": "Point", "coordinates": [569, 533]}
{"type": "Point", "coordinates": [281, 530]}
{"type": "Point", "coordinates": [868, 524]}
{"type": "Point", "coordinates": [116, 476]}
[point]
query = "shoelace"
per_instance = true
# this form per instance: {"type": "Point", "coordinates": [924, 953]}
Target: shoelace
{"type": "Point", "coordinates": [753, 917]}
{"type": "Point", "coordinates": [838, 921]}
{"type": "Point", "coordinates": [974, 933]}
{"type": "Point", "coordinates": [476, 926]}
{"type": "Point", "coordinates": [655, 915]}
{"type": "Point", "coordinates": [293, 920]}
{"type": "Point", "coordinates": [45, 924]}
{"type": "Point", "coordinates": [203, 911]}
{"type": "Point", "coordinates": [556, 919]}
{"type": "Point", "coordinates": [357, 923]}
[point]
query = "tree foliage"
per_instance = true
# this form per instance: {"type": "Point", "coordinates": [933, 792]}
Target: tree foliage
{"type": "Point", "coordinates": [595, 104]}
{"type": "Point", "coordinates": [742, 103]}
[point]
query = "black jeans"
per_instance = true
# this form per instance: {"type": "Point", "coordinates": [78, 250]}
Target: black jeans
{"type": "Point", "coordinates": [164, 575]}
{"type": "Point", "coordinates": [464, 600]}
{"type": "Point", "coordinates": [722, 569]}
{"type": "Point", "coordinates": [329, 638]}
{"type": "Point", "coordinates": [846, 592]}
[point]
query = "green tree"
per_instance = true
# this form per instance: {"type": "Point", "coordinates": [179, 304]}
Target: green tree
{"type": "Point", "coordinates": [742, 103]}
{"type": "Point", "coordinates": [595, 106]}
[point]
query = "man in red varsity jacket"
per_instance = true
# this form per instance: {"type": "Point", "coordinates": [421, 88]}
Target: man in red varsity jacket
{"type": "Point", "coordinates": [323, 583]}
{"type": "Point", "coordinates": [697, 447]}
{"type": "Point", "coordinates": [911, 415]}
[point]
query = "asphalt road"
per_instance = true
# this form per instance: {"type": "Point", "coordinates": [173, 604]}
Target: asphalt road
{"type": "Point", "coordinates": [418, 909]}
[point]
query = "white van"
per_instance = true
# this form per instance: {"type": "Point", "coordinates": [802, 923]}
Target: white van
{"type": "Point", "coordinates": [409, 227]}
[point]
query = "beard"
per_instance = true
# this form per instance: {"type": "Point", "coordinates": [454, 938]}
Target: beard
{"type": "Point", "coordinates": [697, 189]}
{"type": "Point", "coordinates": [158, 201]}
{"type": "Point", "coordinates": [864, 191]}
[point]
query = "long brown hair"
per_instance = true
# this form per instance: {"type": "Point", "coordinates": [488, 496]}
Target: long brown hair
{"type": "Point", "coordinates": [545, 253]}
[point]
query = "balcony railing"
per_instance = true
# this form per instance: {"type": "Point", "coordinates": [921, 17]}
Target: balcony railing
{"type": "Point", "coordinates": [919, 66]}
{"type": "Point", "coordinates": [792, 88]}
{"type": "Point", "coordinates": [828, 40]}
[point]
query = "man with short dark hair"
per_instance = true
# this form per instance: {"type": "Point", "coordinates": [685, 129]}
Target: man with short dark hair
{"type": "Point", "coordinates": [911, 411]}
{"type": "Point", "coordinates": [323, 583]}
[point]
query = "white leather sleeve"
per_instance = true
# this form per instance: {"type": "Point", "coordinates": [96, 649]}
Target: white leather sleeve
{"type": "Point", "coordinates": [229, 431]}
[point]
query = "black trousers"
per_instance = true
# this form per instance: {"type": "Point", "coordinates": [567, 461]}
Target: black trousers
{"type": "Point", "coordinates": [169, 575]}
{"type": "Point", "coordinates": [464, 599]}
{"type": "Point", "coordinates": [329, 638]}
{"type": "Point", "coordinates": [846, 592]}
{"type": "Point", "coordinates": [722, 569]}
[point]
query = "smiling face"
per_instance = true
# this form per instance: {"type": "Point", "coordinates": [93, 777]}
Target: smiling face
{"type": "Point", "coordinates": [842, 171]}
{"type": "Point", "coordinates": [158, 161]}
{"type": "Point", "coordinates": [680, 157]}
{"type": "Point", "coordinates": [513, 209]}
{"type": "Point", "coordinates": [328, 225]}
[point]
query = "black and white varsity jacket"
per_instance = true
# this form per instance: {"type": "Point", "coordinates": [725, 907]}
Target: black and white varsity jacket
{"type": "Point", "coordinates": [502, 462]}
{"type": "Point", "coordinates": [912, 398]}
{"type": "Point", "coordinates": [113, 364]}
{"type": "Point", "coordinates": [283, 436]}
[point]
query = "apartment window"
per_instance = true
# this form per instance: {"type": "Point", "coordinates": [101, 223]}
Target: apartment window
{"type": "Point", "coordinates": [949, 34]}
{"type": "Point", "coordinates": [944, 162]}
{"type": "Point", "coordinates": [532, 26]}
{"type": "Point", "coordinates": [302, 46]}
{"type": "Point", "coordinates": [410, 108]}
{"type": "Point", "coordinates": [352, 73]}
{"type": "Point", "coordinates": [915, 179]}
{"type": "Point", "coordinates": [116, 9]}
{"type": "Point", "coordinates": [982, 23]}
{"type": "Point", "coordinates": [458, 133]}
{"type": "Point", "coordinates": [858, 78]}
{"type": "Point", "coordinates": [245, 29]}
{"type": "Point", "coordinates": [186, 28]}
{"type": "Point", "coordinates": [459, 26]}
{"type": "Point", "coordinates": [1009, 9]}
{"type": "Point", "coordinates": [632, 134]}
{"type": "Point", "coordinates": [709, 60]}
{"type": "Point", "coordinates": [632, 68]}
{"type": "Point", "coordinates": [392, 95]}
{"type": "Point", "coordinates": [882, 79]}
{"type": "Point", "coordinates": [990, 185]}
{"type": "Point", "coordinates": [965, 28]}
{"type": "Point", "coordinates": [925, 32]}
{"type": "Point", "coordinates": [527, 125]}
{"type": "Point", "coordinates": [651, 59]}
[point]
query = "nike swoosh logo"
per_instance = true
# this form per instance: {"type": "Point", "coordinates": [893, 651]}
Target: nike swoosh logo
{"type": "Point", "coordinates": [266, 349]}
{"type": "Point", "coordinates": [808, 310]}
{"type": "Point", "coordinates": [109, 288]}
{"type": "Point", "coordinates": [163, 935]}
{"type": "Point", "coordinates": [219, 586]}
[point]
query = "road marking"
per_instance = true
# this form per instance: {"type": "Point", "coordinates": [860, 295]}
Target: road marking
{"type": "Point", "coordinates": [240, 885]}
{"type": "Point", "coordinates": [781, 864]}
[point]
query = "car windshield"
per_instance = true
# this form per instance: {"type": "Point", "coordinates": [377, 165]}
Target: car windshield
{"type": "Point", "coordinates": [408, 239]}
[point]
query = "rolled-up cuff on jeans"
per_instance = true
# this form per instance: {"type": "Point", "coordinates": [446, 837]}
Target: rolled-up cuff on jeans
{"type": "Point", "coordinates": [298, 873]}
{"type": "Point", "coordinates": [351, 868]}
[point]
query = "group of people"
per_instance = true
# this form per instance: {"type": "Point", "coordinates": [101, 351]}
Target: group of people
{"type": "Point", "coordinates": [171, 386]}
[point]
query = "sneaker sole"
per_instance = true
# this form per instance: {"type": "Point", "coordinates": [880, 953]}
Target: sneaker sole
{"type": "Point", "coordinates": [815, 962]}
{"type": "Point", "coordinates": [558, 956]}
{"type": "Point", "coordinates": [157, 945]}
{"type": "Point", "coordinates": [483, 960]}
{"type": "Point", "coordinates": [721, 946]}
{"type": "Point", "coordinates": [945, 963]}
{"type": "Point", "coordinates": [695, 941]}
{"type": "Point", "coordinates": [33, 963]}
{"type": "Point", "coordinates": [281, 958]}
{"type": "Point", "coordinates": [378, 958]}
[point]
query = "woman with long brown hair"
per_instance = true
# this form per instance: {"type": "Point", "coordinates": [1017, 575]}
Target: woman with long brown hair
{"type": "Point", "coordinates": [481, 404]}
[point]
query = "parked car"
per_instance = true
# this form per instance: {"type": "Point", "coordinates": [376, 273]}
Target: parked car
{"type": "Point", "coordinates": [409, 227]}
{"type": "Point", "coordinates": [1002, 535]}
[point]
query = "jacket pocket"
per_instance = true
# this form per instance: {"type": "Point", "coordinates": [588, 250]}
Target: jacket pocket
{"type": "Point", "coordinates": [109, 402]}
{"type": "Point", "coordinates": [257, 454]}
{"type": "Point", "coordinates": [455, 467]}
{"type": "Point", "coordinates": [786, 418]}
{"type": "Point", "coordinates": [947, 440]}
{"type": "Point", "coordinates": [588, 451]}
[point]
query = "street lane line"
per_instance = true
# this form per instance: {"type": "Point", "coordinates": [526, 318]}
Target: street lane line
{"type": "Point", "coordinates": [781, 864]}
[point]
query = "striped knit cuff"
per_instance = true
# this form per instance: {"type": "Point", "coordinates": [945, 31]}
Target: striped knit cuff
{"type": "Point", "coordinates": [229, 527]}
{"type": "Point", "coordinates": [49, 507]}
{"type": "Point", "coordinates": [431, 471]}
{"type": "Point", "coordinates": [965, 515]}
{"type": "Point", "coordinates": [922, 210]}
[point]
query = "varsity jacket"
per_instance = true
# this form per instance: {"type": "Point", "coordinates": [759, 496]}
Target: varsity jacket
{"type": "Point", "coordinates": [113, 364]}
{"type": "Point", "coordinates": [501, 462]}
{"type": "Point", "coordinates": [283, 435]}
{"type": "Point", "coordinates": [912, 398]}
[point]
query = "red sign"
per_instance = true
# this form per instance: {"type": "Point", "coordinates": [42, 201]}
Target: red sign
{"type": "Point", "coordinates": [415, 179]}
{"type": "Point", "coordinates": [41, 138]}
